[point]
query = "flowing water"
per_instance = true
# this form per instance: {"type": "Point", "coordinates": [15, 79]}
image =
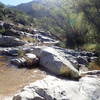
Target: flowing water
{"type": "Point", "coordinates": [13, 79]}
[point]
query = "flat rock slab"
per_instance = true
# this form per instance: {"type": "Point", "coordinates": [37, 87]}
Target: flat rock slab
{"type": "Point", "coordinates": [52, 88]}
{"type": "Point", "coordinates": [9, 41]}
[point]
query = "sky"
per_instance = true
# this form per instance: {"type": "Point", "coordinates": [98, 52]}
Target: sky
{"type": "Point", "coordinates": [14, 2]}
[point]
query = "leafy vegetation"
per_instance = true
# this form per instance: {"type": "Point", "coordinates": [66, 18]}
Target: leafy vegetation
{"type": "Point", "coordinates": [94, 66]}
{"type": "Point", "coordinates": [13, 15]}
{"type": "Point", "coordinates": [76, 23]}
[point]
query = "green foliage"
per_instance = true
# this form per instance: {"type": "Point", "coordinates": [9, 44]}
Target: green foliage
{"type": "Point", "coordinates": [21, 53]}
{"type": "Point", "coordinates": [91, 10]}
{"type": "Point", "coordinates": [94, 65]}
{"type": "Point", "coordinates": [13, 15]}
{"type": "Point", "coordinates": [2, 31]}
{"type": "Point", "coordinates": [62, 20]}
{"type": "Point", "coordinates": [89, 47]}
{"type": "Point", "coordinates": [98, 47]}
{"type": "Point", "coordinates": [1, 5]}
{"type": "Point", "coordinates": [76, 23]}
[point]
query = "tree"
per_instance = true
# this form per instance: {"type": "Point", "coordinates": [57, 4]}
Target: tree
{"type": "Point", "coordinates": [91, 10]}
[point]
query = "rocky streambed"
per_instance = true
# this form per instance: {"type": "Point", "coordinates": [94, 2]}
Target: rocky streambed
{"type": "Point", "coordinates": [53, 88]}
{"type": "Point", "coordinates": [13, 79]}
{"type": "Point", "coordinates": [21, 61]}
{"type": "Point", "coordinates": [58, 61]}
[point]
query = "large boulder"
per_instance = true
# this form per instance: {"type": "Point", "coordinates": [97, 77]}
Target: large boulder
{"type": "Point", "coordinates": [52, 88]}
{"type": "Point", "coordinates": [61, 61]}
{"type": "Point", "coordinates": [54, 62]}
{"type": "Point", "coordinates": [9, 41]}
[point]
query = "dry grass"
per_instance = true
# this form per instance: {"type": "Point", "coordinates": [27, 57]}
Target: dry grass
{"type": "Point", "coordinates": [28, 39]}
{"type": "Point", "coordinates": [89, 47]}
{"type": "Point", "coordinates": [94, 66]}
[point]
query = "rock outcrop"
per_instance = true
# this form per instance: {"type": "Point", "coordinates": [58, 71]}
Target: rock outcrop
{"type": "Point", "coordinates": [9, 41]}
{"type": "Point", "coordinates": [76, 57]}
{"type": "Point", "coordinates": [29, 61]}
{"type": "Point", "coordinates": [44, 38]}
{"type": "Point", "coordinates": [62, 61]}
{"type": "Point", "coordinates": [6, 25]}
{"type": "Point", "coordinates": [10, 52]}
{"type": "Point", "coordinates": [16, 33]}
{"type": "Point", "coordinates": [55, 62]}
{"type": "Point", "coordinates": [52, 88]}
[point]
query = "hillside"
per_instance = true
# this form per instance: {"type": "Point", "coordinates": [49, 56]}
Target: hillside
{"type": "Point", "coordinates": [49, 16]}
{"type": "Point", "coordinates": [69, 21]}
{"type": "Point", "coordinates": [12, 15]}
{"type": "Point", "coordinates": [74, 22]}
{"type": "Point", "coordinates": [28, 8]}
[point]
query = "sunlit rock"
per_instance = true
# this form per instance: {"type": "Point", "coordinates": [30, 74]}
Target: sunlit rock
{"type": "Point", "coordinates": [54, 62]}
{"type": "Point", "coordinates": [52, 88]}
{"type": "Point", "coordinates": [29, 60]}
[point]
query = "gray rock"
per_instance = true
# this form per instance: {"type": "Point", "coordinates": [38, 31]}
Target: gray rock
{"type": "Point", "coordinates": [17, 33]}
{"type": "Point", "coordinates": [27, 50]}
{"type": "Point", "coordinates": [8, 25]}
{"type": "Point", "coordinates": [10, 52]}
{"type": "Point", "coordinates": [52, 88]}
{"type": "Point", "coordinates": [1, 24]}
{"type": "Point", "coordinates": [93, 58]}
{"type": "Point", "coordinates": [90, 87]}
{"type": "Point", "coordinates": [29, 61]}
{"type": "Point", "coordinates": [76, 57]}
{"type": "Point", "coordinates": [9, 41]}
{"type": "Point", "coordinates": [93, 72]}
{"type": "Point", "coordinates": [87, 53]}
{"type": "Point", "coordinates": [55, 62]}
{"type": "Point", "coordinates": [61, 60]}
{"type": "Point", "coordinates": [82, 60]}
{"type": "Point", "coordinates": [44, 38]}
{"type": "Point", "coordinates": [20, 62]}
{"type": "Point", "coordinates": [12, 32]}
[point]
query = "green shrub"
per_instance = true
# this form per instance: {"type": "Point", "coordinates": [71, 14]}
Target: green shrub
{"type": "Point", "coordinates": [89, 47]}
{"type": "Point", "coordinates": [2, 30]}
{"type": "Point", "coordinates": [21, 53]}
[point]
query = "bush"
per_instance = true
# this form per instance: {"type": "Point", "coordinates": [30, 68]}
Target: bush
{"type": "Point", "coordinates": [89, 47]}
{"type": "Point", "coordinates": [2, 30]}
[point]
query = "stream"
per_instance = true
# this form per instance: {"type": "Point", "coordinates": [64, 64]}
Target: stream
{"type": "Point", "coordinates": [13, 79]}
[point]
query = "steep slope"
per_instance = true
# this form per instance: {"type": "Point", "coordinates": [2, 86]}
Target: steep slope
{"type": "Point", "coordinates": [45, 14]}
{"type": "Point", "coordinates": [36, 8]}
{"type": "Point", "coordinates": [13, 15]}
{"type": "Point", "coordinates": [75, 22]}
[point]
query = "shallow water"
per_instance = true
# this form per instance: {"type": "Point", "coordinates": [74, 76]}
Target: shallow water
{"type": "Point", "coordinates": [13, 79]}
